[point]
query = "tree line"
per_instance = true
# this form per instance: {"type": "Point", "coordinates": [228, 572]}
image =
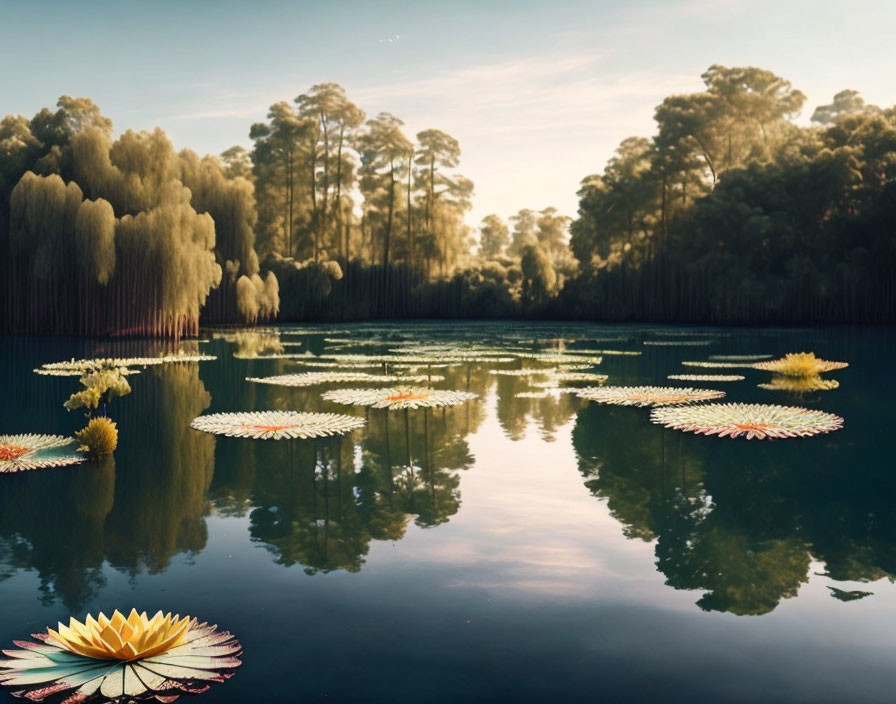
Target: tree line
{"type": "Point", "coordinates": [733, 213]}
{"type": "Point", "coordinates": [730, 213]}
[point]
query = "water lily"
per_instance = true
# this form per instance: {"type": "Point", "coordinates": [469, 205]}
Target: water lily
{"type": "Point", "coordinates": [121, 659]}
{"type": "Point", "coordinates": [277, 425]}
{"type": "Point", "coordinates": [648, 395]}
{"type": "Point", "coordinates": [749, 420]}
{"type": "Point", "coordinates": [399, 397]}
{"type": "Point", "coordinates": [22, 452]}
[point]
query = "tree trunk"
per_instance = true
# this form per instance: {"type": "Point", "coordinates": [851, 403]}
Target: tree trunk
{"type": "Point", "coordinates": [324, 209]}
{"type": "Point", "coordinates": [339, 192]}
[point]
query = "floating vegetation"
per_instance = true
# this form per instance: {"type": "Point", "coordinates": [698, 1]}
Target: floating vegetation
{"type": "Point", "coordinates": [414, 366]}
{"type": "Point", "coordinates": [800, 364]}
{"type": "Point", "coordinates": [311, 331]}
{"type": "Point", "coordinates": [399, 397]}
{"type": "Point", "coordinates": [706, 377]}
{"type": "Point", "coordinates": [648, 395]}
{"type": "Point", "coordinates": [678, 343]}
{"type": "Point", "coordinates": [739, 357]}
{"type": "Point", "coordinates": [578, 376]}
{"type": "Point", "coordinates": [277, 425]}
{"type": "Point", "coordinates": [344, 365]}
{"type": "Point", "coordinates": [314, 378]}
{"type": "Point", "coordinates": [800, 384]}
{"type": "Point", "coordinates": [99, 437]}
{"type": "Point", "coordinates": [121, 659]}
{"type": "Point", "coordinates": [750, 420]}
{"type": "Point", "coordinates": [521, 372]}
{"type": "Point", "coordinates": [124, 371]}
{"type": "Point", "coordinates": [19, 453]}
{"type": "Point", "coordinates": [419, 378]}
{"type": "Point", "coordinates": [719, 365]}
{"type": "Point", "coordinates": [274, 355]}
{"type": "Point", "coordinates": [465, 352]}
{"type": "Point", "coordinates": [553, 385]}
{"type": "Point", "coordinates": [560, 358]}
{"type": "Point", "coordinates": [415, 359]}
{"type": "Point", "coordinates": [78, 367]}
{"type": "Point", "coordinates": [621, 353]}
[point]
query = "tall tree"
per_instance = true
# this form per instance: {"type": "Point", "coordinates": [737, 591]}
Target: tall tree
{"type": "Point", "coordinates": [384, 154]}
{"type": "Point", "coordinates": [334, 118]}
{"type": "Point", "coordinates": [436, 150]}
{"type": "Point", "coordinates": [494, 236]}
{"type": "Point", "coordinates": [525, 231]}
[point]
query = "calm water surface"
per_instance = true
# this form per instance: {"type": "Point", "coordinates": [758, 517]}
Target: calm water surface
{"type": "Point", "coordinates": [519, 549]}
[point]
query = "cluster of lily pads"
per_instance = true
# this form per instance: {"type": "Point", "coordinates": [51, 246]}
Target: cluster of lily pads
{"type": "Point", "coordinates": [102, 378]}
{"type": "Point", "coordinates": [683, 408]}
{"type": "Point", "coordinates": [79, 367]}
{"type": "Point", "coordinates": [138, 658]}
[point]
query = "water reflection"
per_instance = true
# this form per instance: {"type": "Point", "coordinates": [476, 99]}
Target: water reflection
{"type": "Point", "coordinates": [134, 511]}
{"type": "Point", "coordinates": [739, 521]}
{"type": "Point", "coordinates": [515, 414]}
{"type": "Point", "coordinates": [743, 523]}
{"type": "Point", "coordinates": [320, 503]}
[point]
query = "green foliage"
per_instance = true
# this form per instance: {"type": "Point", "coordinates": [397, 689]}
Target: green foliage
{"type": "Point", "coordinates": [127, 235]}
{"type": "Point", "coordinates": [732, 213]}
{"type": "Point", "coordinates": [539, 277]}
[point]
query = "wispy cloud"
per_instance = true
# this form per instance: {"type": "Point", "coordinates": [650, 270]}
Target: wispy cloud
{"type": "Point", "coordinates": [530, 127]}
{"type": "Point", "coordinates": [558, 116]}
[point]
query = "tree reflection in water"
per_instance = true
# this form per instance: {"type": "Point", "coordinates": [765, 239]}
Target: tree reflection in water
{"type": "Point", "coordinates": [134, 511]}
{"type": "Point", "coordinates": [319, 503]}
{"type": "Point", "coordinates": [740, 521]}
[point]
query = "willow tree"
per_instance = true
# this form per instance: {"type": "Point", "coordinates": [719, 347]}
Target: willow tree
{"type": "Point", "coordinates": [43, 211]}
{"type": "Point", "coordinates": [143, 258]}
{"type": "Point", "coordinates": [95, 245]}
{"type": "Point", "coordinates": [230, 202]}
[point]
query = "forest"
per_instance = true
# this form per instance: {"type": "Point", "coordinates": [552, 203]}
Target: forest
{"type": "Point", "coordinates": [730, 213]}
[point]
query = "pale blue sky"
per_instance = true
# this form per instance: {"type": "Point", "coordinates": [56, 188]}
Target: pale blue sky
{"type": "Point", "coordinates": [539, 94]}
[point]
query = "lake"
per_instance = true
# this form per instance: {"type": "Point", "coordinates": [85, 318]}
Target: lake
{"type": "Point", "coordinates": [508, 548]}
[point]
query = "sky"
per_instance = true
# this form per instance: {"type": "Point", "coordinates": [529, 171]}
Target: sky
{"type": "Point", "coordinates": [538, 94]}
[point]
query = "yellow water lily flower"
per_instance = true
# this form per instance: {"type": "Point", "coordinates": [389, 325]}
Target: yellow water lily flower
{"type": "Point", "coordinates": [122, 638]}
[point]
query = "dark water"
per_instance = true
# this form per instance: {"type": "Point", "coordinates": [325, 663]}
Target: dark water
{"type": "Point", "coordinates": [527, 550]}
